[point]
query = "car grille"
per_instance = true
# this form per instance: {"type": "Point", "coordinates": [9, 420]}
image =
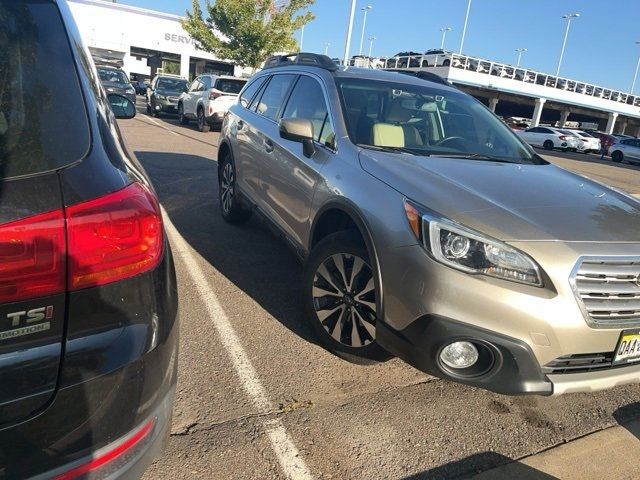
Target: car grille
{"type": "Point", "coordinates": [579, 363]}
{"type": "Point", "coordinates": [608, 291]}
{"type": "Point", "coordinates": [173, 99]}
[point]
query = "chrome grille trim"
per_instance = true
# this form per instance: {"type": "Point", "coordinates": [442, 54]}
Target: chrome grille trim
{"type": "Point", "coordinates": [608, 290]}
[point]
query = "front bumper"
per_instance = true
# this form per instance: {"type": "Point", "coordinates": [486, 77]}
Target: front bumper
{"type": "Point", "coordinates": [427, 304]}
{"type": "Point", "coordinates": [166, 105]}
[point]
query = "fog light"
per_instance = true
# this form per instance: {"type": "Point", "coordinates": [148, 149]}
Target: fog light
{"type": "Point", "coordinates": [459, 355]}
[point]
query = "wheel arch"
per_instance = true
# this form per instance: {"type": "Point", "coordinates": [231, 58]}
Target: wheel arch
{"type": "Point", "coordinates": [344, 210]}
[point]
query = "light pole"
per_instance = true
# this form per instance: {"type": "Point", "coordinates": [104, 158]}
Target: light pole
{"type": "Point", "coordinates": [371, 40]}
{"type": "Point", "coordinates": [520, 51]}
{"type": "Point", "coordinates": [301, 37]}
{"type": "Point", "coordinates": [568, 17]}
{"type": "Point", "coordinates": [364, 24]}
{"type": "Point", "coordinates": [326, 48]}
{"type": "Point", "coordinates": [444, 31]}
{"type": "Point", "coordinates": [464, 29]}
{"type": "Point", "coordinates": [347, 45]}
{"type": "Point", "coordinates": [635, 76]}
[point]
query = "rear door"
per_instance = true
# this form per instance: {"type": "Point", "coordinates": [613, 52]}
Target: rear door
{"type": "Point", "coordinates": [37, 138]}
{"type": "Point", "coordinates": [633, 150]}
{"type": "Point", "coordinates": [189, 98]}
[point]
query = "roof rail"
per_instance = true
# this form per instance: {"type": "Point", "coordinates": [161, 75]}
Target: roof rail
{"type": "Point", "coordinates": [430, 76]}
{"type": "Point", "coordinates": [298, 59]}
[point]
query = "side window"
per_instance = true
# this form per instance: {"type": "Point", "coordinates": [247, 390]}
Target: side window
{"type": "Point", "coordinates": [273, 95]}
{"type": "Point", "coordinates": [194, 85]}
{"type": "Point", "coordinates": [544, 130]}
{"type": "Point", "coordinates": [307, 101]}
{"type": "Point", "coordinates": [206, 83]}
{"type": "Point", "coordinates": [248, 93]}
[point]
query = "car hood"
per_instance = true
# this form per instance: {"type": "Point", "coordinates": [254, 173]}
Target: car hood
{"type": "Point", "coordinates": [511, 202]}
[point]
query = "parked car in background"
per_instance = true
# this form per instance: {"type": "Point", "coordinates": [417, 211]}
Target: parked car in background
{"type": "Point", "coordinates": [164, 92]}
{"type": "Point", "coordinates": [468, 227]}
{"type": "Point", "coordinates": [549, 138]}
{"type": "Point", "coordinates": [115, 80]}
{"type": "Point", "coordinates": [589, 143]}
{"type": "Point", "coordinates": [140, 87]}
{"type": "Point", "coordinates": [437, 58]}
{"type": "Point", "coordinates": [88, 300]}
{"type": "Point", "coordinates": [626, 150]}
{"type": "Point", "coordinates": [208, 100]}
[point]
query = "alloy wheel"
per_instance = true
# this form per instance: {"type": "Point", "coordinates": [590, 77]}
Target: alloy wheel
{"type": "Point", "coordinates": [344, 299]}
{"type": "Point", "coordinates": [227, 188]}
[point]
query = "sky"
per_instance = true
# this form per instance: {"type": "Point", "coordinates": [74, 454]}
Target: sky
{"type": "Point", "coordinates": [600, 49]}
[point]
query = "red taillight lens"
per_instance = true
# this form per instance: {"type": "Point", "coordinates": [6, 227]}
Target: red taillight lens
{"type": "Point", "coordinates": [107, 462]}
{"type": "Point", "coordinates": [113, 237]}
{"type": "Point", "coordinates": [32, 257]}
{"type": "Point", "coordinates": [562, 137]}
{"type": "Point", "coordinates": [213, 94]}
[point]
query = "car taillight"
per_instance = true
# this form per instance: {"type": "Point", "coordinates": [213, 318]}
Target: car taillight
{"type": "Point", "coordinates": [562, 137]}
{"type": "Point", "coordinates": [113, 237]}
{"type": "Point", "coordinates": [213, 94]}
{"type": "Point", "coordinates": [108, 462]}
{"type": "Point", "coordinates": [32, 257]}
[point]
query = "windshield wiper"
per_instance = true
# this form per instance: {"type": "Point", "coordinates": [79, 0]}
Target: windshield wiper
{"type": "Point", "coordinates": [478, 156]}
{"type": "Point", "coordinates": [390, 149]}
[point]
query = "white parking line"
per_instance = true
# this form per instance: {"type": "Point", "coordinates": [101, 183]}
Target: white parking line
{"type": "Point", "coordinates": [159, 124]}
{"type": "Point", "coordinates": [288, 456]}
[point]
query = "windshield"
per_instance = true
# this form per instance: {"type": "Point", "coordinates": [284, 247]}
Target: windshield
{"type": "Point", "coordinates": [112, 76]}
{"type": "Point", "coordinates": [173, 84]}
{"type": "Point", "coordinates": [424, 120]}
{"type": "Point", "coordinates": [227, 85]}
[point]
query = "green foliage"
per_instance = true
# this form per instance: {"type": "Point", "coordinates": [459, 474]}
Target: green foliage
{"type": "Point", "coordinates": [247, 31]}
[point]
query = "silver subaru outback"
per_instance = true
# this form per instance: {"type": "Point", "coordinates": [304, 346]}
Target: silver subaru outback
{"type": "Point", "coordinates": [431, 232]}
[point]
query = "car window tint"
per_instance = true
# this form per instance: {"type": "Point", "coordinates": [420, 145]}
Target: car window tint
{"type": "Point", "coordinates": [194, 85]}
{"type": "Point", "coordinates": [172, 84]}
{"type": "Point", "coordinates": [112, 76]}
{"type": "Point", "coordinates": [43, 119]}
{"type": "Point", "coordinates": [229, 85]}
{"type": "Point", "coordinates": [249, 92]}
{"type": "Point", "coordinates": [307, 101]}
{"type": "Point", "coordinates": [206, 83]}
{"type": "Point", "coordinates": [273, 96]}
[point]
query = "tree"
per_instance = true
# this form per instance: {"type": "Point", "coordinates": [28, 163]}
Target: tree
{"type": "Point", "coordinates": [247, 31]}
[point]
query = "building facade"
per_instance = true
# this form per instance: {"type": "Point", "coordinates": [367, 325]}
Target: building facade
{"type": "Point", "coordinates": [142, 41]}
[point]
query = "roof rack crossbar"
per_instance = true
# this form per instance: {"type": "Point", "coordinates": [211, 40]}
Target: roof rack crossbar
{"type": "Point", "coordinates": [297, 59]}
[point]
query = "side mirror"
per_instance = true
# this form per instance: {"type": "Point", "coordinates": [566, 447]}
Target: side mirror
{"type": "Point", "coordinates": [299, 130]}
{"type": "Point", "coordinates": [122, 107]}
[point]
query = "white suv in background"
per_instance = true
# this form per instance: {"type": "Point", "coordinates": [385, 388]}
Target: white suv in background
{"type": "Point", "coordinates": [549, 138]}
{"type": "Point", "coordinates": [627, 149]}
{"type": "Point", "coordinates": [208, 99]}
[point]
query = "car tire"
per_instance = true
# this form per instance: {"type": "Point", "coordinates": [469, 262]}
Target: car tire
{"type": "Point", "coordinates": [149, 111]}
{"type": "Point", "coordinates": [548, 145]}
{"type": "Point", "coordinates": [203, 126]}
{"type": "Point", "coordinates": [343, 305]}
{"type": "Point", "coordinates": [446, 63]}
{"type": "Point", "coordinates": [617, 156]}
{"type": "Point", "coordinates": [181, 118]}
{"type": "Point", "coordinates": [231, 208]}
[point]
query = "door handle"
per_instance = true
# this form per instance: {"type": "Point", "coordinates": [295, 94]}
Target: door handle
{"type": "Point", "coordinates": [268, 145]}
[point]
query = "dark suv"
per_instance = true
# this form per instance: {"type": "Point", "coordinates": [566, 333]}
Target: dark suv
{"type": "Point", "coordinates": [164, 92]}
{"type": "Point", "coordinates": [88, 302]}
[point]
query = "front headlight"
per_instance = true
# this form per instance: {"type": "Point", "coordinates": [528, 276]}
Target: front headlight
{"type": "Point", "coordinates": [464, 249]}
{"type": "Point", "coordinates": [130, 90]}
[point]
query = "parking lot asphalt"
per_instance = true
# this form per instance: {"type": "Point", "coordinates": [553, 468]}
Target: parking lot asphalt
{"type": "Point", "coordinates": [258, 398]}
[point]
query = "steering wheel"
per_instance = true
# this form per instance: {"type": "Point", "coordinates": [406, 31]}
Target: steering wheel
{"type": "Point", "coordinates": [447, 140]}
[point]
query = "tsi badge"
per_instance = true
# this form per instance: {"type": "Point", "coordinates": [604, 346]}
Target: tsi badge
{"type": "Point", "coordinates": [28, 322]}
